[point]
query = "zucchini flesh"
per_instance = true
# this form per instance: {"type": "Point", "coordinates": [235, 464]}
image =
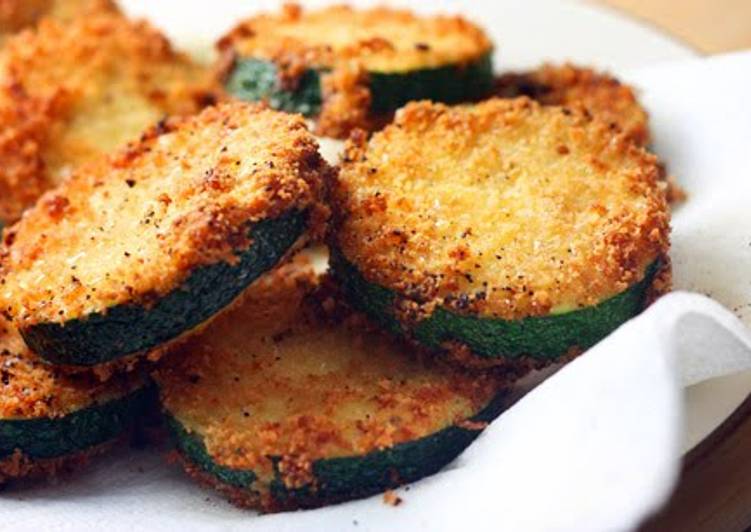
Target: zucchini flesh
{"type": "Point", "coordinates": [541, 337]}
{"type": "Point", "coordinates": [130, 329]}
{"type": "Point", "coordinates": [255, 79]}
{"type": "Point", "coordinates": [41, 438]}
{"type": "Point", "coordinates": [349, 477]}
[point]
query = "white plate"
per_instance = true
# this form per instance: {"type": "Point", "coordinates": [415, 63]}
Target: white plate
{"type": "Point", "coordinates": [526, 33]}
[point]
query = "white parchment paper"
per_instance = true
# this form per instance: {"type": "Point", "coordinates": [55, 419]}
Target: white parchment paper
{"type": "Point", "coordinates": [595, 447]}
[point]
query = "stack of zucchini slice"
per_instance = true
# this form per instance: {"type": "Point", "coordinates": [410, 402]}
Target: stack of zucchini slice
{"type": "Point", "coordinates": [50, 421]}
{"type": "Point", "coordinates": [352, 68]}
{"type": "Point", "coordinates": [134, 252]}
{"type": "Point", "coordinates": [137, 250]}
{"type": "Point", "coordinates": [286, 403]}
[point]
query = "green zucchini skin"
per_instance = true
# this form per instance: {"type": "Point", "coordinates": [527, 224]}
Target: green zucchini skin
{"type": "Point", "coordinates": [256, 79]}
{"type": "Point", "coordinates": [349, 477]}
{"type": "Point", "coordinates": [541, 337]}
{"type": "Point", "coordinates": [129, 329]}
{"type": "Point", "coordinates": [41, 438]}
{"type": "Point", "coordinates": [447, 84]}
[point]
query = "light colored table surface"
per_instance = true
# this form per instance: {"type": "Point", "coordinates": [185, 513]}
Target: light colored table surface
{"type": "Point", "coordinates": [711, 26]}
{"type": "Point", "coordinates": [714, 493]}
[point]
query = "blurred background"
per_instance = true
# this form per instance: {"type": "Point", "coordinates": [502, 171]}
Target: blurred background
{"type": "Point", "coordinates": [710, 26]}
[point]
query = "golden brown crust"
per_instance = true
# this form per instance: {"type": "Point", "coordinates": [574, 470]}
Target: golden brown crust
{"type": "Point", "coordinates": [306, 383]}
{"type": "Point", "coordinates": [16, 15]}
{"type": "Point", "coordinates": [348, 44]}
{"type": "Point", "coordinates": [29, 388]}
{"type": "Point", "coordinates": [132, 227]}
{"type": "Point", "coordinates": [72, 91]}
{"type": "Point", "coordinates": [18, 465]}
{"type": "Point", "coordinates": [603, 95]}
{"type": "Point", "coordinates": [23, 178]}
{"type": "Point", "coordinates": [504, 209]}
{"type": "Point", "coordinates": [662, 283]}
{"type": "Point", "coordinates": [380, 39]}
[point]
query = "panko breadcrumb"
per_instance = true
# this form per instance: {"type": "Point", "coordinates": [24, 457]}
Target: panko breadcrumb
{"type": "Point", "coordinates": [16, 15]}
{"type": "Point", "coordinates": [71, 91]}
{"type": "Point", "coordinates": [601, 94]}
{"type": "Point", "coordinates": [30, 389]}
{"type": "Point", "coordinates": [505, 209]}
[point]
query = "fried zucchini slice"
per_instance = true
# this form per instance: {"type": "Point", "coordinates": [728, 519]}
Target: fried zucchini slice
{"type": "Point", "coordinates": [72, 91]}
{"type": "Point", "coordinates": [352, 68]}
{"type": "Point", "coordinates": [50, 421]}
{"type": "Point", "coordinates": [16, 15]}
{"type": "Point", "coordinates": [501, 233]}
{"type": "Point", "coordinates": [600, 93]}
{"type": "Point", "coordinates": [287, 403]}
{"type": "Point", "coordinates": [137, 249]}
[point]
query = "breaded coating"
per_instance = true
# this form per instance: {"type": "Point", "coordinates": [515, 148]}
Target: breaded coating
{"type": "Point", "coordinates": [600, 93]}
{"type": "Point", "coordinates": [16, 15]}
{"type": "Point", "coordinates": [286, 380]}
{"type": "Point", "coordinates": [32, 389]}
{"type": "Point", "coordinates": [19, 466]}
{"type": "Point", "coordinates": [71, 91]}
{"type": "Point", "coordinates": [348, 45]}
{"type": "Point", "coordinates": [133, 226]}
{"type": "Point", "coordinates": [504, 209]}
{"type": "Point", "coordinates": [380, 39]}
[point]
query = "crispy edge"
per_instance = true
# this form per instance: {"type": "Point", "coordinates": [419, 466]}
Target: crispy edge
{"type": "Point", "coordinates": [20, 466]}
